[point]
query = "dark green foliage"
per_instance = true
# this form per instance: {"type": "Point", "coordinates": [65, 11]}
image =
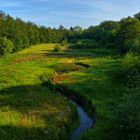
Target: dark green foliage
{"type": "Point", "coordinates": [129, 74]}
{"type": "Point", "coordinates": [123, 35]}
{"type": "Point", "coordinates": [57, 48]}
{"type": "Point", "coordinates": [137, 15]}
{"type": "Point", "coordinates": [85, 44]}
{"type": "Point", "coordinates": [64, 42]}
{"type": "Point", "coordinates": [128, 36]}
{"type": "Point", "coordinates": [125, 120]}
{"type": "Point", "coordinates": [23, 34]}
{"type": "Point", "coordinates": [6, 46]}
{"type": "Point", "coordinates": [105, 34]}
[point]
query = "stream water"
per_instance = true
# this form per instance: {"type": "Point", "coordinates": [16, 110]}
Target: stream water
{"type": "Point", "coordinates": [85, 123]}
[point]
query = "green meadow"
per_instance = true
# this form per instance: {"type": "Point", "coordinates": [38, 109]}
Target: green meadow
{"type": "Point", "coordinates": [29, 109]}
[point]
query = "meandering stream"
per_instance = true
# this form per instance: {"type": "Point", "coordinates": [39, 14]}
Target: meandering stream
{"type": "Point", "coordinates": [85, 123]}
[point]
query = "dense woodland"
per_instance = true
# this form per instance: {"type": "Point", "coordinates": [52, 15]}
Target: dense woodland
{"type": "Point", "coordinates": [15, 34]}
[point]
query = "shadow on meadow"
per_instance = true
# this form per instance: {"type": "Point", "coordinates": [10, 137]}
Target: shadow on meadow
{"type": "Point", "coordinates": [15, 133]}
{"type": "Point", "coordinates": [32, 112]}
{"type": "Point", "coordinates": [74, 53]}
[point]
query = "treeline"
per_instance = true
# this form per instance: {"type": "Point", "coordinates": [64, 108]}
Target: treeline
{"type": "Point", "coordinates": [15, 34]}
{"type": "Point", "coordinates": [123, 35]}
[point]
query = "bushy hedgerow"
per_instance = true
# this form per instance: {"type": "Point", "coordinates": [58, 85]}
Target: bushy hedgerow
{"type": "Point", "coordinates": [57, 48]}
{"type": "Point", "coordinates": [6, 46]}
{"type": "Point", "coordinates": [133, 45]}
{"type": "Point", "coordinates": [128, 74]}
{"type": "Point", "coordinates": [85, 45]}
{"type": "Point", "coordinates": [125, 118]}
{"type": "Point", "coordinates": [64, 42]}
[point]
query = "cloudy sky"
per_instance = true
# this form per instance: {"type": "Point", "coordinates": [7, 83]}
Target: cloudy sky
{"type": "Point", "coordinates": [70, 12]}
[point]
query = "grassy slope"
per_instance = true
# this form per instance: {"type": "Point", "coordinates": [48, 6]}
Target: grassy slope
{"type": "Point", "coordinates": [28, 110]}
{"type": "Point", "coordinates": [23, 72]}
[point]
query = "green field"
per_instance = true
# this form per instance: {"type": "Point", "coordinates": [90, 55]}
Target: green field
{"type": "Point", "coordinates": [29, 110]}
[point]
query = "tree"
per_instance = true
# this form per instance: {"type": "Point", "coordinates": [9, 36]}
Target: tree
{"type": "Point", "coordinates": [137, 16]}
{"type": "Point", "coordinates": [125, 120]}
{"type": "Point", "coordinates": [129, 34]}
{"type": "Point", "coordinates": [6, 46]}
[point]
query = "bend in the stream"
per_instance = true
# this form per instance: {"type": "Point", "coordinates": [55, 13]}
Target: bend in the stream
{"type": "Point", "coordinates": [85, 123]}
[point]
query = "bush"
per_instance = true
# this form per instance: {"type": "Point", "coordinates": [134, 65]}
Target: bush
{"type": "Point", "coordinates": [57, 48]}
{"type": "Point", "coordinates": [125, 119]}
{"type": "Point", "coordinates": [109, 45]}
{"type": "Point", "coordinates": [133, 45]}
{"type": "Point", "coordinates": [64, 42]}
{"type": "Point", "coordinates": [88, 45]}
{"type": "Point", "coordinates": [128, 74]}
{"type": "Point", "coordinates": [6, 46]}
{"type": "Point", "coordinates": [131, 67]}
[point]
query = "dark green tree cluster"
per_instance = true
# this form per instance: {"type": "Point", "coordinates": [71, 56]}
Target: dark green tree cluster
{"type": "Point", "coordinates": [15, 34]}
{"type": "Point", "coordinates": [105, 34]}
{"type": "Point", "coordinates": [129, 35]}
{"type": "Point", "coordinates": [123, 35]}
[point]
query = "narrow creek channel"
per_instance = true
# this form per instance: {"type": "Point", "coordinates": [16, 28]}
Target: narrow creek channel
{"type": "Point", "coordinates": [85, 123]}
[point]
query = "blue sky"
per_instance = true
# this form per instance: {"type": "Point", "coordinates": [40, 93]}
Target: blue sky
{"type": "Point", "coordinates": [70, 12]}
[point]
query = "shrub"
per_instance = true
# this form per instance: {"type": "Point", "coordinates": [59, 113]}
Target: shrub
{"type": "Point", "coordinates": [125, 119]}
{"type": "Point", "coordinates": [129, 73]}
{"type": "Point", "coordinates": [57, 48]}
{"type": "Point", "coordinates": [131, 67]}
{"type": "Point", "coordinates": [64, 42]}
{"type": "Point", "coordinates": [6, 46]}
{"type": "Point", "coordinates": [88, 45]}
{"type": "Point", "coordinates": [109, 45]}
{"type": "Point", "coordinates": [133, 45]}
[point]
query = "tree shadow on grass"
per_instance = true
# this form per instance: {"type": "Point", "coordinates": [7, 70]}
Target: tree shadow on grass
{"type": "Point", "coordinates": [22, 98]}
{"type": "Point", "coordinates": [70, 54]}
{"type": "Point", "coordinates": [37, 110]}
{"type": "Point", "coordinates": [74, 53]}
{"type": "Point", "coordinates": [21, 133]}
